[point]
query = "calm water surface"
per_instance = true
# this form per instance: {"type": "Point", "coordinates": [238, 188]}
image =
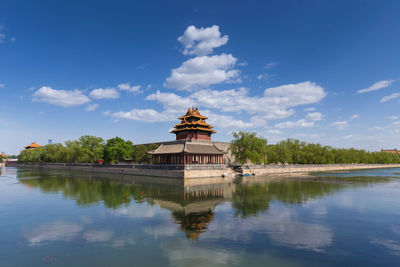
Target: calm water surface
{"type": "Point", "coordinates": [71, 219]}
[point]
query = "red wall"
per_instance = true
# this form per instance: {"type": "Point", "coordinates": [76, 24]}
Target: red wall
{"type": "Point", "coordinates": [200, 136]}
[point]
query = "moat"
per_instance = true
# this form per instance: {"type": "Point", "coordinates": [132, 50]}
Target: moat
{"type": "Point", "coordinates": [62, 218]}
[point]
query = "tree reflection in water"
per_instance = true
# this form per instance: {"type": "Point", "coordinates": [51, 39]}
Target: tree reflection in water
{"type": "Point", "coordinates": [191, 206]}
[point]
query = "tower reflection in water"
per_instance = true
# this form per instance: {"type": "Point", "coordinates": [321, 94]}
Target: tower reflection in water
{"type": "Point", "coordinates": [191, 203]}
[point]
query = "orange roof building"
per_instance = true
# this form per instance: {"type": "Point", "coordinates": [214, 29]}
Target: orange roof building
{"type": "Point", "coordinates": [193, 126]}
{"type": "Point", "coordinates": [3, 155]}
{"type": "Point", "coordinates": [33, 145]}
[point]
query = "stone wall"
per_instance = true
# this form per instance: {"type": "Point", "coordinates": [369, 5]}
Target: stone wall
{"type": "Point", "coordinates": [229, 159]}
{"type": "Point", "coordinates": [203, 173]}
{"type": "Point", "coordinates": [188, 174]}
{"type": "Point", "coordinates": [115, 170]}
{"type": "Point", "coordinates": [129, 170]}
{"type": "Point", "coordinates": [281, 169]}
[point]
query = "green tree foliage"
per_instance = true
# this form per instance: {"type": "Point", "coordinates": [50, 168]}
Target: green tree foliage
{"type": "Point", "coordinates": [92, 147]}
{"type": "Point", "coordinates": [31, 156]}
{"type": "Point", "coordinates": [140, 154]}
{"type": "Point", "coordinates": [117, 149]}
{"type": "Point", "coordinates": [88, 149]}
{"type": "Point", "coordinates": [1, 158]}
{"type": "Point", "coordinates": [293, 151]}
{"type": "Point", "coordinates": [53, 153]}
{"type": "Point", "coordinates": [249, 147]}
{"type": "Point", "coordinates": [75, 152]}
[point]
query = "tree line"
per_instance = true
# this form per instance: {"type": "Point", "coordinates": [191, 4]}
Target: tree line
{"type": "Point", "coordinates": [250, 148]}
{"type": "Point", "coordinates": [88, 149]}
{"type": "Point", "coordinates": [247, 147]}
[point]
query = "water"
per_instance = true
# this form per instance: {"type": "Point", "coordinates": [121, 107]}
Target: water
{"type": "Point", "coordinates": [70, 219]}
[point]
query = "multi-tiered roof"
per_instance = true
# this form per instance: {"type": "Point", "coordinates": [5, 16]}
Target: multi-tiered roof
{"type": "Point", "coordinates": [193, 121]}
{"type": "Point", "coordinates": [193, 143]}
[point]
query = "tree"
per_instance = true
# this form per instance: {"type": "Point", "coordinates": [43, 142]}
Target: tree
{"type": "Point", "coordinates": [30, 156]}
{"type": "Point", "coordinates": [74, 152]}
{"type": "Point", "coordinates": [92, 147]}
{"type": "Point", "coordinates": [248, 146]}
{"type": "Point", "coordinates": [140, 154]}
{"type": "Point", "coordinates": [117, 149]}
{"type": "Point", "coordinates": [53, 153]}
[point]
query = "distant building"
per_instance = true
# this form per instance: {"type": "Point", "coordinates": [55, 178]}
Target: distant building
{"type": "Point", "coordinates": [193, 143]}
{"type": "Point", "coordinates": [393, 151]}
{"type": "Point", "coordinates": [32, 146]}
{"type": "Point", "coordinates": [3, 155]}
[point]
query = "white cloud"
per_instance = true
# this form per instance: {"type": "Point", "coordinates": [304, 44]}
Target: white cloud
{"type": "Point", "coordinates": [377, 86]}
{"type": "Point", "coordinates": [281, 225]}
{"type": "Point", "coordinates": [295, 124]}
{"type": "Point", "coordinates": [309, 109]}
{"type": "Point", "coordinates": [201, 72]}
{"type": "Point", "coordinates": [259, 77]}
{"type": "Point", "coordinates": [276, 103]}
{"type": "Point", "coordinates": [94, 236]}
{"type": "Point", "coordinates": [2, 85]}
{"type": "Point", "coordinates": [138, 211]}
{"type": "Point", "coordinates": [270, 65]}
{"type": "Point", "coordinates": [60, 97]}
{"type": "Point", "coordinates": [165, 229]}
{"type": "Point", "coordinates": [343, 124]}
{"type": "Point", "coordinates": [172, 101]}
{"type": "Point", "coordinates": [340, 124]}
{"type": "Point", "coordinates": [295, 94]}
{"type": "Point", "coordinates": [348, 137]}
{"type": "Point", "coordinates": [274, 132]}
{"type": "Point", "coordinates": [201, 41]}
{"type": "Point", "coordinates": [391, 245]}
{"type": "Point", "coordinates": [390, 97]}
{"type": "Point", "coordinates": [355, 116]}
{"type": "Point", "coordinates": [182, 254]}
{"type": "Point", "coordinates": [148, 115]}
{"type": "Point", "coordinates": [108, 93]}
{"type": "Point", "coordinates": [127, 87]}
{"type": "Point", "coordinates": [396, 229]}
{"type": "Point", "coordinates": [92, 107]}
{"type": "Point", "coordinates": [224, 121]}
{"type": "Point", "coordinates": [393, 117]}
{"type": "Point", "coordinates": [377, 128]}
{"type": "Point", "coordinates": [314, 116]}
{"type": "Point", "coordinates": [125, 241]}
{"type": "Point", "coordinates": [2, 35]}
{"type": "Point", "coordinates": [58, 230]}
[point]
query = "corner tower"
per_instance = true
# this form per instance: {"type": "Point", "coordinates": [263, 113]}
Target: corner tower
{"type": "Point", "coordinates": [193, 126]}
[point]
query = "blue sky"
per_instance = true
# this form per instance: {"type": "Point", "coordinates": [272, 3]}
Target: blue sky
{"type": "Point", "coordinates": [319, 71]}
